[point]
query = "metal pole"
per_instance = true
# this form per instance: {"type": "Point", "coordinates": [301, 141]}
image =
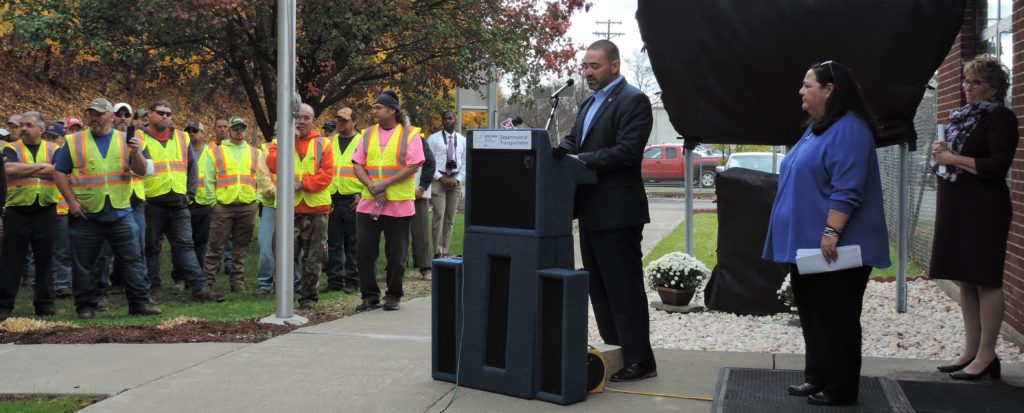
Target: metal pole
{"type": "Point", "coordinates": [284, 236]}
{"type": "Point", "coordinates": [902, 230]}
{"type": "Point", "coordinates": [688, 182]}
{"type": "Point", "coordinates": [775, 159]}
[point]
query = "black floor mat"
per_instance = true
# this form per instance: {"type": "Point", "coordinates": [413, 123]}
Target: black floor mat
{"type": "Point", "coordinates": [930, 397]}
{"type": "Point", "coordinates": [759, 390]}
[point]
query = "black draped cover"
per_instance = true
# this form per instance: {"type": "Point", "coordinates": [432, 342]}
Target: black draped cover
{"type": "Point", "coordinates": [730, 70]}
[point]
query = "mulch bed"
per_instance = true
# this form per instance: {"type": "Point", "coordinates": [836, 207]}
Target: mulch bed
{"type": "Point", "coordinates": [245, 331]}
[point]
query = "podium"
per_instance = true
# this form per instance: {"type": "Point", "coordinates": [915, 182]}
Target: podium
{"type": "Point", "coordinates": [511, 316]}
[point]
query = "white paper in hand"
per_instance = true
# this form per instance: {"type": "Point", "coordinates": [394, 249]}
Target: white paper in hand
{"type": "Point", "coordinates": [810, 260]}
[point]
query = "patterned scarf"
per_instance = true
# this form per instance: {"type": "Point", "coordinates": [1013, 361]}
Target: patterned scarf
{"type": "Point", "coordinates": [961, 124]}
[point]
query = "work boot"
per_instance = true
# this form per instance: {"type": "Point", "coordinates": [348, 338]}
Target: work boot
{"type": "Point", "coordinates": [265, 292]}
{"type": "Point", "coordinates": [102, 304]}
{"type": "Point", "coordinates": [179, 285]}
{"type": "Point", "coordinates": [307, 305]}
{"type": "Point", "coordinates": [46, 310]}
{"type": "Point", "coordinates": [349, 289]}
{"type": "Point", "coordinates": [143, 309]}
{"type": "Point", "coordinates": [425, 273]}
{"type": "Point", "coordinates": [368, 304]}
{"type": "Point", "coordinates": [238, 287]}
{"type": "Point", "coordinates": [156, 295]}
{"type": "Point", "coordinates": [86, 313]}
{"type": "Point", "coordinates": [332, 287]}
{"type": "Point", "coordinates": [391, 302]}
{"type": "Point", "coordinates": [207, 295]}
{"type": "Point", "coordinates": [64, 292]}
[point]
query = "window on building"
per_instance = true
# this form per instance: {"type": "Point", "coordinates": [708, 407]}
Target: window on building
{"type": "Point", "coordinates": [996, 37]}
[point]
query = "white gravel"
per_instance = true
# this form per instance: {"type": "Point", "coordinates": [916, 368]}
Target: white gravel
{"type": "Point", "coordinates": [932, 327]}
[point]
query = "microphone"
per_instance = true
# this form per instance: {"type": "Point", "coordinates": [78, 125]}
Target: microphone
{"type": "Point", "coordinates": [567, 84]}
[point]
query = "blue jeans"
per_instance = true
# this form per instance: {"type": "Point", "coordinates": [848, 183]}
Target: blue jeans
{"type": "Point", "coordinates": [175, 222]}
{"type": "Point", "coordinates": [87, 239]}
{"type": "Point", "coordinates": [265, 239]}
{"type": "Point", "coordinates": [61, 254]}
{"type": "Point", "coordinates": [101, 271]}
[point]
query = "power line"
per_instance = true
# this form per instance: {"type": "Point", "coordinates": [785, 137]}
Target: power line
{"type": "Point", "coordinates": [607, 34]}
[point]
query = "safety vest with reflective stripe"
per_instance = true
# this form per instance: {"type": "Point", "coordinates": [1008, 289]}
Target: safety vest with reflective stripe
{"type": "Point", "coordinates": [24, 191]}
{"type": "Point", "coordinates": [345, 181]}
{"type": "Point", "coordinates": [138, 182]}
{"type": "Point", "coordinates": [203, 195]}
{"type": "Point", "coordinates": [170, 164]}
{"type": "Point", "coordinates": [309, 166]}
{"type": "Point", "coordinates": [269, 201]}
{"type": "Point", "coordinates": [95, 178]}
{"type": "Point", "coordinates": [236, 178]}
{"type": "Point", "coordinates": [381, 165]}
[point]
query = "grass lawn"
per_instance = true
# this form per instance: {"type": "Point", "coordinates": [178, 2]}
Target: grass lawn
{"type": "Point", "coordinates": [237, 306]}
{"type": "Point", "coordinates": [705, 247]}
{"type": "Point", "coordinates": [45, 404]}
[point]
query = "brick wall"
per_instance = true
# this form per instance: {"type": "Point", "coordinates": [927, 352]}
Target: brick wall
{"type": "Point", "coordinates": [1013, 277]}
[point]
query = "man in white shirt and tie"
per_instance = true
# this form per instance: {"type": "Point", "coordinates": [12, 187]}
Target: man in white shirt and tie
{"type": "Point", "coordinates": [449, 149]}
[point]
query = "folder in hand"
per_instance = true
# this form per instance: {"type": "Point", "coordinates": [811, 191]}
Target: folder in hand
{"type": "Point", "coordinates": [811, 261]}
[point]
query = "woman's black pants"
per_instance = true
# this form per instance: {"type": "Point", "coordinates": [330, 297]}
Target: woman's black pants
{"type": "Point", "coordinates": [829, 305]}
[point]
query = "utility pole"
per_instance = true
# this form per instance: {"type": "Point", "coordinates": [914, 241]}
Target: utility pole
{"type": "Point", "coordinates": [607, 33]}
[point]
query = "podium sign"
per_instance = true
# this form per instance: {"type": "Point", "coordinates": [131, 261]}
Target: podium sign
{"type": "Point", "coordinates": [522, 307]}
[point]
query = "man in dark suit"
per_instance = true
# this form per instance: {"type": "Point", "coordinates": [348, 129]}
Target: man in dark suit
{"type": "Point", "coordinates": [609, 135]}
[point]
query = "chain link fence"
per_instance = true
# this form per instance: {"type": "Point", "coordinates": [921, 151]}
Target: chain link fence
{"type": "Point", "coordinates": [921, 196]}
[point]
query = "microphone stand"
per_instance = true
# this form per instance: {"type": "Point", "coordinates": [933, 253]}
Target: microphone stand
{"type": "Point", "coordinates": [554, 106]}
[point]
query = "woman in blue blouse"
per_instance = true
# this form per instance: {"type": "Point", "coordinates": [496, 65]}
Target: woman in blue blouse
{"type": "Point", "coordinates": [830, 195]}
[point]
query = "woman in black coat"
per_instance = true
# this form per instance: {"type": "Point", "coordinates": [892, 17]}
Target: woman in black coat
{"type": "Point", "coordinates": [973, 211]}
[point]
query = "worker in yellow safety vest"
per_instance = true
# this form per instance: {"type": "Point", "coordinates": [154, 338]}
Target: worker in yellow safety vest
{"type": "Point", "coordinates": [168, 193]}
{"type": "Point", "coordinates": [30, 216]}
{"type": "Point", "coordinates": [93, 170]}
{"type": "Point", "coordinates": [232, 175]}
{"type": "Point", "coordinates": [342, 273]}
{"type": "Point", "coordinates": [388, 156]}
{"type": "Point", "coordinates": [314, 175]}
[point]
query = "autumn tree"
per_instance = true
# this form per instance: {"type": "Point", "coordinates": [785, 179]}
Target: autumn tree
{"type": "Point", "coordinates": [345, 49]}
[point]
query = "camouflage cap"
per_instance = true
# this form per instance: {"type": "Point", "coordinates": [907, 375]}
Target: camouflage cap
{"type": "Point", "coordinates": [237, 120]}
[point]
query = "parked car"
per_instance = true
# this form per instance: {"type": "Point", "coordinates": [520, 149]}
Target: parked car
{"type": "Point", "coordinates": [665, 162]}
{"type": "Point", "coordinates": [759, 161]}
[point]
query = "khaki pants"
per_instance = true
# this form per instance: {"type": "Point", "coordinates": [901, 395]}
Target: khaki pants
{"type": "Point", "coordinates": [445, 202]}
{"type": "Point", "coordinates": [235, 221]}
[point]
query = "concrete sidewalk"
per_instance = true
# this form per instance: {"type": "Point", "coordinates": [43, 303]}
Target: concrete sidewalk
{"type": "Point", "coordinates": [380, 362]}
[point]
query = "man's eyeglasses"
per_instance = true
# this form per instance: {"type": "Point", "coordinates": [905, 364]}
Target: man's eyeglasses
{"type": "Point", "coordinates": [238, 128]}
{"type": "Point", "coordinates": [123, 114]}
{"type": "Point", "coordinates": [162, 113]}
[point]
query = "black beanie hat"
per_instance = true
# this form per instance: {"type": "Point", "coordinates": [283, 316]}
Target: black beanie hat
{"type": "Point", "coordinates": [388, 98]}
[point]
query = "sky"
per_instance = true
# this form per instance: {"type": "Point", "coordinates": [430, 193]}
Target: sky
{"type": "Point", "coordinates": [584, 25]}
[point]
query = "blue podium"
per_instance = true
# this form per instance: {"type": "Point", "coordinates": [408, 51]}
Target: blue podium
{"type": "Point", "coordinates": [514, 297]}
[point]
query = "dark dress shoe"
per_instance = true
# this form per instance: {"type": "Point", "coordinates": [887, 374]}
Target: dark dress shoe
{"type": "Point", "coordinates": [949, 368]}
{"type": "Point", "coordinates": [804, 389]}
{"type": "Point", "coordinates": [822, 399]}
{"type": "Point", "coordinates": [636, 371]}
{"type": "Point", "coordinates": [992, 368]}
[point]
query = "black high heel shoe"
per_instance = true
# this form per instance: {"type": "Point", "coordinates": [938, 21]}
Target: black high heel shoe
{"type": "Point", "coordinates": [949, 368]}
{"type": "Point", "coordinates": [992, 368]}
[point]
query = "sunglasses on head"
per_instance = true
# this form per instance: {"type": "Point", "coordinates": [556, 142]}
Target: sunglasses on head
{"type": "Point", "coordinates": [162, 113]}
{"type": "Point", "coordinates": [830, 70]}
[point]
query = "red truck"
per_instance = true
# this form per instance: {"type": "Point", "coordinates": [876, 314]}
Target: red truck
{"type": "Point", "coordinates": [665, 162]}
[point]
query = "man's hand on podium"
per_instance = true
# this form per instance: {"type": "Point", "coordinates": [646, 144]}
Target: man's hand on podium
{"type": "Point", "coordinates": [558, 152]}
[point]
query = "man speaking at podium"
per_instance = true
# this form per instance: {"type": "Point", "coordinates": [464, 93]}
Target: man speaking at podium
{"type": "Point", "coordinates": [609, 136]}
